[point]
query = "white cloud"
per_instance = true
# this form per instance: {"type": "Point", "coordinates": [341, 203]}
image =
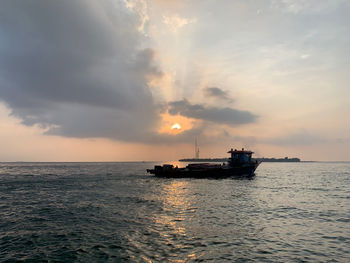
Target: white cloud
{"type": "Point", "coordinates": [306, 6]}
{"type": "Point", "coordinates": [176, 22]}
{"type": "Point", "coordinates": [141, 8]}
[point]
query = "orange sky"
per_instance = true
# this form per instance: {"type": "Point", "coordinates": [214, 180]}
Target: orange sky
{"type": "Point", "coordinates": [277, 66]}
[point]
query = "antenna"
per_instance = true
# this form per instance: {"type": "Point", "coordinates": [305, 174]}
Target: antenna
{"type": "Point", "coordinates": [196, 149]}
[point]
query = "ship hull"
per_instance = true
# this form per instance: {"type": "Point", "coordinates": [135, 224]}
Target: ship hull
{"type": "Point", "coordinates": [246, 170]}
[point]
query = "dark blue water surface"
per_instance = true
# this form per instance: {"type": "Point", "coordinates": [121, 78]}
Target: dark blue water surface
{"type": "Point", "coordinates": [97, 212]}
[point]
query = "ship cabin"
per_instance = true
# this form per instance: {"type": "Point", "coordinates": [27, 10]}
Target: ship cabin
{"type": "Point", "coordinates": [240, 156]}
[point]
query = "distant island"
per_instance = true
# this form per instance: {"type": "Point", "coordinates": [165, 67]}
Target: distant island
{"type": "Point", "coordinates": [285, 159]}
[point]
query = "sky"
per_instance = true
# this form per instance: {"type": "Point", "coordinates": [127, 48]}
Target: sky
{"type": "Point", "coordinates": [140, 80]}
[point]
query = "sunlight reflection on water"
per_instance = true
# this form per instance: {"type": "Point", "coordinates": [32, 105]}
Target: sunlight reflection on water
{"type": "Point", "coordinates": [115, 212]}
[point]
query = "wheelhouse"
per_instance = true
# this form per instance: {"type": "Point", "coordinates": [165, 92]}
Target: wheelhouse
{"type": "Point", "coordinates": [240, 156]}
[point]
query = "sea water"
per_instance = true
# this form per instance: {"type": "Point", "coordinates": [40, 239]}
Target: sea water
{"type": "Point", "coordinates": [115, 212]}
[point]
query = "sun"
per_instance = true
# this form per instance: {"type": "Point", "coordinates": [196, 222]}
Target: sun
{"type": "Point", "coordinates": [176, 126]}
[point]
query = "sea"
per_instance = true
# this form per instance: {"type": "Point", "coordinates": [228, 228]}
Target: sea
{"type": "Point", "coordinates": [115, 212]}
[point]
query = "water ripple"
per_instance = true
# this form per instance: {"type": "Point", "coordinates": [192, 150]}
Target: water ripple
{"type": "Point", "coordinates": [114, 212]}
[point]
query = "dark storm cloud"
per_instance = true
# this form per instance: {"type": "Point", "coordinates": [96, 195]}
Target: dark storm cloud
{"type": "Point", "coordinates": [78, 66]}
{"type": "Point", "coordinates": [224, 115]}
{"type": "Point", "coordinates": [80, 69]}
{"type": "Point", "coordinates": [217, 93]}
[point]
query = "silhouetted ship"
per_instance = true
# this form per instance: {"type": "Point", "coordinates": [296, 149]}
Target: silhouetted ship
{"type": "Point", "coordinates": [240, 163]}
{"type": "Point", "coordinates": [216, 160]}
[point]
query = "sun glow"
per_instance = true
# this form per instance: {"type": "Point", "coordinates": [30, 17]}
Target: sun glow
{"type": "Point", "coordinates": [170, 124]}
{"type": "Point", "coordinates": [176, 126]}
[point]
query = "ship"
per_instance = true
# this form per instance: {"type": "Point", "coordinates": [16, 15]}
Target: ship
{"type": "Point", "coordinates": [264, 159]}
{"type": "Point", "coordinates": [239, 164]}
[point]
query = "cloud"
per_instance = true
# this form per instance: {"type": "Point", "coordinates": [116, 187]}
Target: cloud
{"type": "Point", "coordinates": [140, 7]}
{"type": "Point", "coordinates": [306, 6]}
{"type": "Point", "coordinates": [78, 68]}
{"type": "Point", "coordinates": [217, 93]}
{"type": "Point", "coordinates": [305, 56]}
{"type": "Point", "coordinates": [298, 138]}
{"type": "Point", "coordinates": [81, 69]}
{"type": "Point", "coordinates": [176, 22]}
{"type": "Point", "coordinates": [224, 115]}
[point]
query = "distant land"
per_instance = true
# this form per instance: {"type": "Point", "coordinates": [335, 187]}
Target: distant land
{"type": "Point", "coordinates": [285, 159]}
